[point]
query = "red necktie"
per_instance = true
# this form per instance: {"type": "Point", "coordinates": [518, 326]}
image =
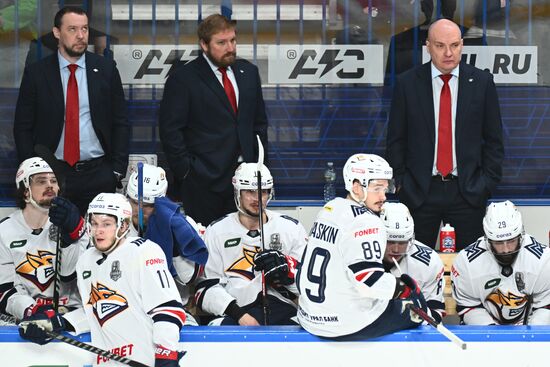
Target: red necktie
{"type": "Point", "coordinates": [71, 147]}
{"type": "Point", "coordinates": [228, 87]}
{"type": "Point", "coordinates": [445, 130]}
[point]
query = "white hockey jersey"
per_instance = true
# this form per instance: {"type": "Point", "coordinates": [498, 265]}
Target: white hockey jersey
{"type": "Point", "coordinates": [123, 294]}
{"type": "Point", "coordinates": [486, 293]}
{"type": "Point", "coordinates": [27, 259]}
{"type": "Point", "coordinates": [229, 272]}
{"type": "Point", "coordinates": [425, 266]}
{"type": "Point", "coordinates": [342, 282]}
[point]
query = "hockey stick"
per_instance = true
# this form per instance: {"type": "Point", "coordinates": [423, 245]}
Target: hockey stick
{"type": "Point", "coordinates": [265, 304]}
{"type": "Point", "coordinates": [140, 197]}
{"type": "Point", "coordinates": [59, 171]}
{"type": "Point", "coordinates": [95, 350]}
{"type": "Point", "coordinates": [430, 320]}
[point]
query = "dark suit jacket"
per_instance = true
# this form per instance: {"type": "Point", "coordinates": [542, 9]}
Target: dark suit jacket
{"type": "Point", "coordinates": [201, 135]}
{"type": "Point", "coordinates": [40, 111]}
{"type": "Point", "coordinates": [478, 135]}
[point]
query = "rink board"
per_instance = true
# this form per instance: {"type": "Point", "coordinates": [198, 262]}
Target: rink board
{"type": "Point", "coordinates": [284, 346]}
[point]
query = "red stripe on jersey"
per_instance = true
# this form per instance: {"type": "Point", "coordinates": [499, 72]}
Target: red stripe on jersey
{"type": "Point", "coordinates": [177, 313]}
{"type": "Point", "coordinates": [362, 276]}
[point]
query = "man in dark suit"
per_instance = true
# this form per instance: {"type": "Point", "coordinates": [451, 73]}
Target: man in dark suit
{"type": "Point", "coordinates": [211, 111]}
{"type": "Point", "coordinates": [79, 92]}
{"type": "Point", "coordinates": [446, 156]}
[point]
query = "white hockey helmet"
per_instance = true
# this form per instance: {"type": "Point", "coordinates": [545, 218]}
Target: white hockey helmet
{"type": "Point", "coordinates": [503, 222]}
{"type": "Point", "coordinates": [155, 184]}
{"type": "Point", "coordinates": [398, 221]}
{"type": "Point", "coordinates": [245, 179]}
{"type": "Point", "coordinates": [30, 167]}
{"type": "Point", "coordinates": [364, 168]}
{"type": "Point", "coordinates": [116, 205]}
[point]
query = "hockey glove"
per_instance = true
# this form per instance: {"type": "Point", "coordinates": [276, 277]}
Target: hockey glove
{"type": "Point", "coordinates": [274, 264]}
{"type": "Point", "coordinates": [410, 291]}
{"type": "Point", "coordinates": [41, 319]}
{"type": "Point", "coordinates": [166, 357]}
{"type": "Point", "coordinates": [66, 216]}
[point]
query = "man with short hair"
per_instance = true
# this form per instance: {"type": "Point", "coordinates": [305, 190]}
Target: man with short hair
{"type": "Point", "coordinates": [445, 139]}
{"type": "Point", "coordinates": [28, 245]}
{"type": "Point", "coordinates": [414, 258]}
{"type": "Point", "coordinates": [504, 277]}
{"type": "Point", "coordinates": [211, 111]}
{"type": "Point", "coordinates": [72, 102]}
{"type": "Point", "coordinates": [344, 291]}
{"type": "Point", "coordinates": [130, 303]}
{"type": "Point", "coordinates": [233, 282]}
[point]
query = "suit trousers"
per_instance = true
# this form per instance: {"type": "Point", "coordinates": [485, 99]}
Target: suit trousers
{"type": "Point", "coordinates": [204, 205]}
{"type": "Point", "coordinates": [445, 203]}
{"type": "Point", "coordinates": [84, 181]}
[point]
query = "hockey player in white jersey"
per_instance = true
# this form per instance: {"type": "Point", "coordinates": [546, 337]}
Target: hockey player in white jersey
{"type": "Point", "coordinates": [130, 302]}
{"type": "Point", "coordinates": [344, 291]}
{"type": "Point", "coordinates": [504, 277]}
{"type": "Point", "coordinates": [28, 243]}
{"type": "Point", "coordinates": [178, 235]}
{"type": "Point", "coordinates": [233, 274]}
{"type": "Point", "coordinates": [414, 258]}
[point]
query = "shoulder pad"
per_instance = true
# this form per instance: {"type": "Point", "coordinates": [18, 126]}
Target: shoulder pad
{"type": "Point", "coordinates": [217, 220]}
{"type": "Point", "coordinates": [4, 219]}
{"type": "Point", "coordinates": [293, 220]}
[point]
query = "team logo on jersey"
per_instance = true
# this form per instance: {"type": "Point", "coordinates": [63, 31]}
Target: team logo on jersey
{"type": "Point", "coordinates": [17, 244]}
{"type": "Point", "coordinates": [359, 210]}
{"type": "Point", "coordinates": [508, 308]}
{"type": "Point", "coordinates": [232, 242]}
{"type": "Point", "coordinates": [38, 268]}
{"type": "Point", "coordinates": [106, 303]}
{"type": "Point", "coordinates": [473, 251]}
{"type": "Point", "coordinates": [243, 266]}
{"type": "Point", "coordinates": [422, 254]}
{"type": "Point", "coordinates": [535, 248]}
{"type": "Point", "coordinates": [115, 271]}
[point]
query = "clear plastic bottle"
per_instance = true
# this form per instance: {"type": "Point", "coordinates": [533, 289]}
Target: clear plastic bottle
{"type": "Point", "coordinates": [329, 191]}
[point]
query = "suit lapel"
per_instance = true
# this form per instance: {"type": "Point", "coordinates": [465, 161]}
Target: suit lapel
{"type": "Point", "coordinates": [92, 74]}
{"type": "Point", "coordinates": [466, 83]}
{"type": "Point", "coordinates": [212, 82]}
{"type": "Point", "coordinates": [53, 77]}
{"type": "Point", "coordinates": [425, 94]}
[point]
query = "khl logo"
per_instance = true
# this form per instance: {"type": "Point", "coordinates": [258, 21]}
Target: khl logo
{"type": "Point", "coordinates": [330, 59]}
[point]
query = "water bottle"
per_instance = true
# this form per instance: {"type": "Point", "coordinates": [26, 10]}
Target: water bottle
{"type": "Point", "coordinates": [447, 239]}
{"type": "Point", "coordinates": [329, 191]}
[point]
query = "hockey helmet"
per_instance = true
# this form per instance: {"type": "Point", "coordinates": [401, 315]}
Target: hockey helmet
{"type": "Point", "coordinates": [30, 167]}
{"type": "Point", "coordinates": [113, 204]}
{"type": "Point", "coordinates": [367, 167]}
{"type": "Point", "coordinates": [503, 222]}
{"type": "Point", "coordinates": [398, 221]}
{"type": "Point", "coordinates": [155, 184]}
{"type": "Point", "coordinates": [245, 178]}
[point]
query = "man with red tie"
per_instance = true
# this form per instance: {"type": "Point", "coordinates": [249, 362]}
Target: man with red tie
{"type": "Point", "coordinates": [211, 111]}
{"type": "Point", "coordinates": [72, 102]}
{"type": "Point", "coordinates": [444, 139]}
